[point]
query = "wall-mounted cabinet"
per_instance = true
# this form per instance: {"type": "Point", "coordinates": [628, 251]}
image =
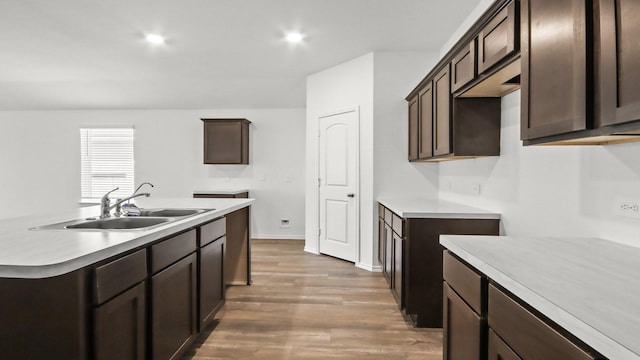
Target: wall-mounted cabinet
{"type": "Point", "coordinates": [454, 113]}
{"type": "Point", "coordinates": [582, 87]}
{"type": "Point", "coordinates": [226, 141]}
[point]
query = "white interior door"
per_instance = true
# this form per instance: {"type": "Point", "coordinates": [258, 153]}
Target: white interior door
{"type": "Point", "coordinates": [338, 184]}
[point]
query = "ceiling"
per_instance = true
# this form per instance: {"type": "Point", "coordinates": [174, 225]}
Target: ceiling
{"type": "Point", "coordinates": [91, 54]}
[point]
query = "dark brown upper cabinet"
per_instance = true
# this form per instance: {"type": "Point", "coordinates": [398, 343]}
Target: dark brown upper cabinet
{"type": "Point", "coordinates": [442, 113]}
{"type": "Point", "coordinates": [425, 121]}
{"type": "Point", "coordinates": [617, 24]}
{"type": "Point", "coordinates": [455, 107]}
{"type": "Point", "coordinates": [226, 141]}
{"type": "Point", "coordinates": [554, 68]}
{"type": "Point", "coordinates": [413, 129]}
{"type": "Point", "coordinates": [463, 66]}
{"type": "Point", "coordinates": [580, 81]}
{"type": "Point", "coordinates": [498, 38]}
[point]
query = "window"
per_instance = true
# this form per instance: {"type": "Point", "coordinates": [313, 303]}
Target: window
{"type": "Point", "coordinates": [106, 162]}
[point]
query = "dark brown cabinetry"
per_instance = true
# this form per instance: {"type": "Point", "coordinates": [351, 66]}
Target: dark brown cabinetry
{"type": "Point", "coordinates": [237, 268]}
{"type": "Point", "coordinates": [454, 113]}
{"type": "Point", "coordinates": [484, 321]}
{"type": "Point", "coordinates": [173, 295]}
{"type": "Point", "coordinates": [425, 121]}
{"type": "Point", "coordinates": [412, 260]}
{"type": "Point", "coordinates": [211, 270]}
{"type": "Point", "coordinates": [499, 38]}
{"type": "Point", "coordinates": [554, 67]}
{"type": "Point", "coordinates": [413, 129]}
{"type": "Point", "coordinates": [226, 141]}
{"type": "Point", "coordinates": [119, 318]}
{"type": "Point", "coordinates": [463, 66]}
{"type": "Point", "coordinates": [442, 113]}
{"type": "Point", "coordinates": [580, 85]}
{"type": "Point", "coordinates": [617, 51]}
{"type": "Point", "coordinates": [464, 321]}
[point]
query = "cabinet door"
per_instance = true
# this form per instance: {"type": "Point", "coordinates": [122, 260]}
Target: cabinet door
{"type": "Point", "coordinates": [212, 286]}
{"type": "Point", "coordinates": [617, 53]}
{"type": "Point", "coordinates": [398, 254]}
{"type": "Point", "coordinates": [413, 129]}
{"type": "Point", "coordinates": [388, 254]}
{"type": "Point", "coordinates": [462, 329]}
{"type": "Point", "coordinates": [226, 141]}
{"type": "Point", "coordinates": [425, 108]}
{"type": "Point", "coordinates": [499, 350]}
{"type": "Point", "coordinates": [497, 39]}
{"type": "Point", "coordinates": [463, 67]}
{"type": "Point", "coordinates": [554, 67]}
{"type": "Point", "coordinates": [119, 326]}
{"type": "Point", "coordinates": [381, 236]}
{"type": "Point", "coordinates": [442, 113]}
{"type": "Point", "coordinates": [173, 315]}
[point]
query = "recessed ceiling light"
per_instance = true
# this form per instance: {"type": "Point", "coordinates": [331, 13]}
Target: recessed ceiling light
{"type": "Point", "coordinates": [294, 37]}
{"type": "Point", "coordinates": [154, 39]}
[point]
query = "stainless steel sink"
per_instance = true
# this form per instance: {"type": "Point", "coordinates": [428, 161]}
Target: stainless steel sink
{"type": "Point", "coordinates": [171, 212]}
{"type": "Point", "coordinates": [148, 218]}
{"type": "Point", "coordinates": [120, 223]}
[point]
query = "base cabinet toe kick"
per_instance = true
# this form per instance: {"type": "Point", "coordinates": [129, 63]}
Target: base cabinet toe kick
{"type": "Point", "coordinates": [482, 320]}
{"type": "Point", "coordinates": [148, 303]}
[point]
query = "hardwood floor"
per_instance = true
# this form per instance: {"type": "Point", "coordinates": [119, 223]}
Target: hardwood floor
{"type": "Point", "coordinates": [305, 306]}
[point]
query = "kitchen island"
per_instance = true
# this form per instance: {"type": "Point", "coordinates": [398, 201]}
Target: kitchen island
{"type": "Point", "coordinates": [126, 294]}
{"type": "Point", "coordinates": [580, 296]}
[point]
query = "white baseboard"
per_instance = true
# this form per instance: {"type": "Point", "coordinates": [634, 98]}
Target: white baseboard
{"type": "Point", "coordinates": [277, 237]}
{"type": "Point", "coordinates": [368, 267]}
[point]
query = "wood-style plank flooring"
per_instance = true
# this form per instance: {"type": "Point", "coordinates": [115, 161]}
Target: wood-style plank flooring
{"type": "Point", "coordinates": [305, 306]}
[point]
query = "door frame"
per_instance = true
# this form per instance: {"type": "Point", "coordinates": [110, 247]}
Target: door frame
{"type": "Point", "coordinates": [355, 109]}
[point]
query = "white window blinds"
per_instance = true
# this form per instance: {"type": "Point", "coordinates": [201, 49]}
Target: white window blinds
{"type": "Point", "coordinates": [106, 162]}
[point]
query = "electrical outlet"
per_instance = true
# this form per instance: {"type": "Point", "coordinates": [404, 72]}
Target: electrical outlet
{"type": "Point", "coordinates": [285, 223]}
{"type": "Point", "coordinates": [475, 189]}
{"type": "Point", "coordinates": [627, 207]}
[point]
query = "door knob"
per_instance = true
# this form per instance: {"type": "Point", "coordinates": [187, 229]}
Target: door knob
{"type": "Point", "coordinates": [351, 195]}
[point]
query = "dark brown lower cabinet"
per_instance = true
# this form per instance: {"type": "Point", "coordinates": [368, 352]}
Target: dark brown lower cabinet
{"type": "Point", "coordinates": [499, 350]}
{"type": "Point", "coordinates": [483, 321]}
{"type": "Point", "coordinates": [398, 253]}
{"type": "Point", "coordinates": [173, 314]}
{"type": "Point", "coordinates": [463, 329]}
{"type": "Point", "coordinates": [387, 267]}
{"type": "Point", "coordinates": [119, 326]}
{"type": "Point", "coordinates": [212, 287]}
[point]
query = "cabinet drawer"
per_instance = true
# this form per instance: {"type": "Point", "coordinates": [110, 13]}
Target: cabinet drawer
{"type": "Point", "coordinates": [529, 336]}
{"type": "Point", "coordinates": [498, 38]}
{"type": "Point", "coordinates": [499, 350]}
{"type": "Point", "coordinates": [171, 250]}
{"type": "Point", "coordinates": [388, 216]}
{"type": "Point", "coordinates": [119, 275]}
{"type": "Point", "coordinates": [212, 231]}
{"type": "Point", "coordinates": [466, 282]}
{"type": "Point", "coordinates": [463, 67]}
{"type": "Point", "coordinates": [397, 225]}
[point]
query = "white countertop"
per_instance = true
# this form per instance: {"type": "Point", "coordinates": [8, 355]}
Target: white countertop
{"type": "Point", "coordinates": [222, 191]}
{"type": "Point", "coordinates": [28, 253]}
{"type": "Point", "coordinates": [434, 208]}
{"type": "Point", "coordinates": [590, 287]}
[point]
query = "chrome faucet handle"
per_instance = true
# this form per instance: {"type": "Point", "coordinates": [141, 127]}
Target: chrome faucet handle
{"type": "Point", "coordinates": [104, 204]}
{"type": "Point", "coordinates": [138, 188]}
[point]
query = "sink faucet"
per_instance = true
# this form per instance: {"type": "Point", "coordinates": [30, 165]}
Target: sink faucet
{"type": "Point", "coordinates": [105, 203]}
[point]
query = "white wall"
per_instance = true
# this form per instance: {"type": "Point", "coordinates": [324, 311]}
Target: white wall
{"type": "Point", "coordinates": [40, 156]}
{"type": "Point", "coordinates": [549, 190]}
{"type": "Point", "coordinates": [546, 190]}
{"type": "Point", "coordinates": [376, 83]}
